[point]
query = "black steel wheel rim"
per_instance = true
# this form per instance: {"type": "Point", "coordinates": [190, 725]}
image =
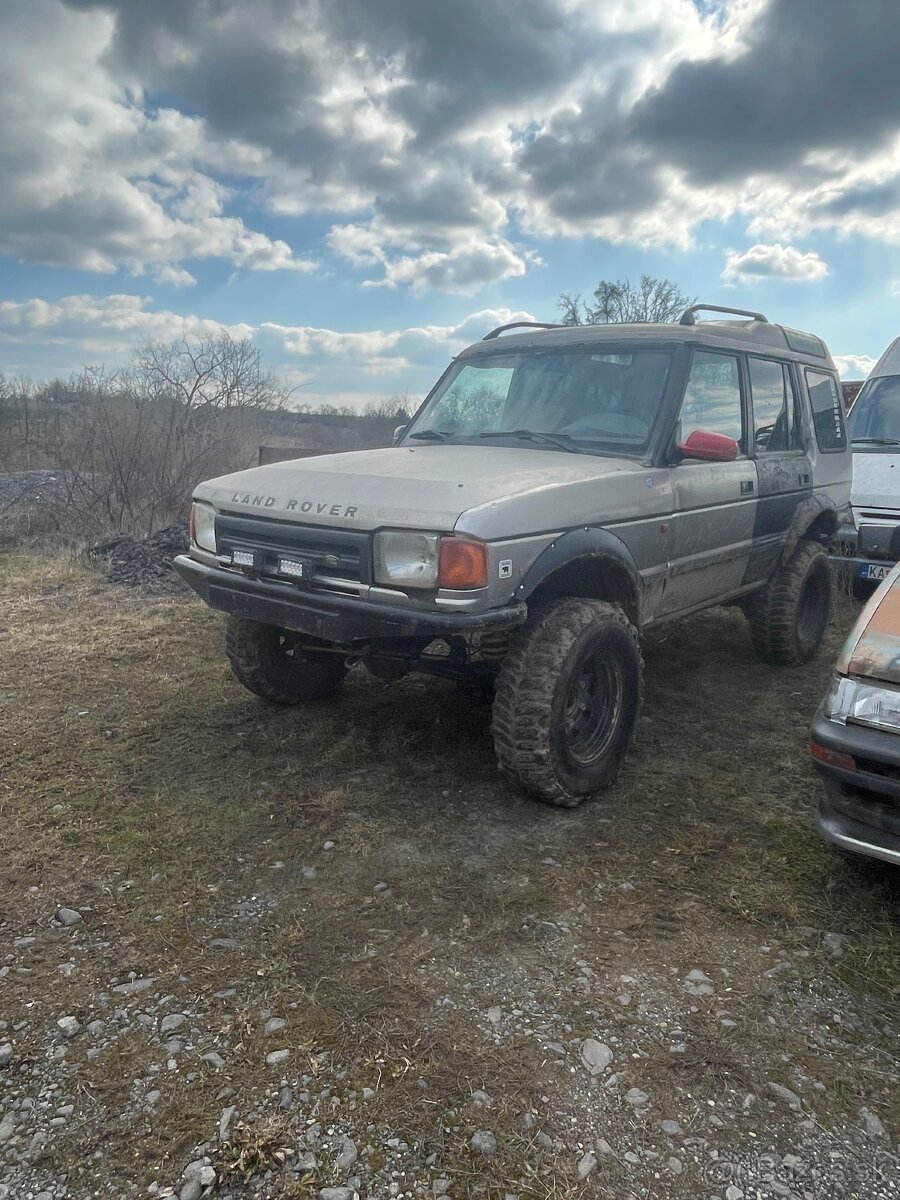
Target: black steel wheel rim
{"type": "Point", "coordinates": [592, 709]}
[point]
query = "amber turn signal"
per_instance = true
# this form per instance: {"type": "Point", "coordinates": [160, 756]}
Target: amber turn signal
{"type": "Point", "coordinates": [463, 564]}
{"type": "Point", "coordinates": [832, 758]}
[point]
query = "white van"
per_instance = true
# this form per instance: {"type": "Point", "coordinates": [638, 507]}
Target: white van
{"type": "Point", "coordinates": [871, 545]}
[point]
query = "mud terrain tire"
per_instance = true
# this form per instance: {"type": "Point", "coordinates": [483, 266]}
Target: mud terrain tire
{"type": "Point", "coordinates": [270, 663]}
{"type": "Point", "coordinates": [789, 616]}
{"type": "Point", "coordinates": [567, 700]}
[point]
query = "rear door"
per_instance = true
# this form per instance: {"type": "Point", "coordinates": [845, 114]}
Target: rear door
{"type": "Point", "coordinates": [783, 468]}
{"type": "Point", "coordinates": [714, 503]}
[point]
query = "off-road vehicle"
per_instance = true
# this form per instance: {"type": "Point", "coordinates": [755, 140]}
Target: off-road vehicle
{"type": "Point", "coordinates": [559, 491]}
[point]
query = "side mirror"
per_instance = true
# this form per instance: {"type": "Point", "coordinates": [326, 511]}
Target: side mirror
{"type": "Point", "coordinates": [398, 434]}
{"type": "Point", "coordinates": [709, 447]}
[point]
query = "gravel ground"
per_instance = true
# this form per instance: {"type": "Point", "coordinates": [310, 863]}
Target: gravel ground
{"type": "Point", "coordinates": [144, 563]}
{"type": "Point", "coordinates": [319, 953]}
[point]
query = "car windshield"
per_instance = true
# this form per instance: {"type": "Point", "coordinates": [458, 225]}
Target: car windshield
{"type": "Point", "coordinates": [875, 417]}
{"type": "Point", "coordinates": [577, 400]}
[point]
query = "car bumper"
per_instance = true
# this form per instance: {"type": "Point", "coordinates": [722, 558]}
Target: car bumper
{"type": "Point", "coordinates": [852, 557]}
{"type": "Point", "coordinates": [328, 616]}
{"type": "Point", "coordinates": [860, 809]}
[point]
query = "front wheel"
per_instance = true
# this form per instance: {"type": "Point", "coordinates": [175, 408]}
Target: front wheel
{"type": "Point", "coordinates": [567, 701]}
{"type": "Point", "coordinates": [274, 663]}
{"type": "Point", "coordinates": [789, 616]}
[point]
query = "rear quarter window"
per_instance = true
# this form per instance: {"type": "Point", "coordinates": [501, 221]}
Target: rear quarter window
{"type": "Point", "coordinates": [827, 409]}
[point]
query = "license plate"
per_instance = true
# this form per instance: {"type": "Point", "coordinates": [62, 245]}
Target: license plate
{"type": "Point", "coordinates": [874, 571]}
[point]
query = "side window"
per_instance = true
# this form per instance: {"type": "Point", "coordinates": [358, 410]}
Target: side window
{"type": "Point", "coordinates": [776, 425]}
{"type": "Point", "coordinates": [828, 411]}
{"type": "Point", "coordinates": [712, 398]}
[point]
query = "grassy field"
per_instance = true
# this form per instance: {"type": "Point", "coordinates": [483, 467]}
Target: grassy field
{"type": "Point", "coordinates": [187, 823]}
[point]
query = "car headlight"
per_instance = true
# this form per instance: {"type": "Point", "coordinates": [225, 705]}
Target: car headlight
{"type": "Point", "coordinates": [863, 703]}
{"type": "Point", "coordinates": [407, 558]}
{"type": "Point", "coordinates": [203, 526]}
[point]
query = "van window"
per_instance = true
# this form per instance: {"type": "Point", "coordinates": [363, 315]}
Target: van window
{"type": "Point", "coordinates": [876, 414]}
{"type": "Point", "coordinates": [828, 410]}
{"type": "Point", "coordinates": [776, 426]}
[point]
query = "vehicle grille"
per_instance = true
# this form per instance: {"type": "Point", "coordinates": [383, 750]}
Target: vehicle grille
{"type": "Point", "coordinates": [331, 553]}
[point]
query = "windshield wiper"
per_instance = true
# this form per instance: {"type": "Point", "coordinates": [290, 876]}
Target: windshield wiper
{"type": "Point", "coordinates": [432, 435]}
{"type": "Point", "coordinates": [874, 442]}
{"type": "Point", "coordinates": [560, 440]}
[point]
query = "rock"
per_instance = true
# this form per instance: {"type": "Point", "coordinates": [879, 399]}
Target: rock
{"type": "Point", "coordinates": [441, 1186]}
{"type": "Point", "coordinates": [791, 1099]}
{"type": "Point", "coordinates": [483, 1142]}
{"type": "Point", "coordinates": [285, 1097]}
{"type": "Point", "coordinates": [69, 1027]}
{"type": "Point", "coordinates": [672, 1129]}
{"type": "Point", "coordinates": [336, 1193]}
{"type": "Point", "coordinates": [675, 1165]}
{"type": "Point", "coordinates": [69, 917]}
{"type": "Point", "coordinates": [732, 1192]}
{"type": "Point", "coordinates": [192, 1190]}
{"type": "Point", "coordinates": [380, 888]}
{"type": "Point", "coordinates": [586, 1164]}
{"type": "Point", "coordinates": [225, 1120]}
{"type": "Point", "coordinates": [95, 1028]}
{"type": "Point", "coordinates": [698, 984]}
{"type": "Point", "coordinates": [792, 1162]}
{"type": "Point", "coordinates": [835, 943]}
{"type": "Point", "coordinates": [6, 1054]}
{"type": "Point", "coordinates": [309, 873]}
{"type": "Point", "coordinates": [214, 1060]}
{"type": "Point", "coordinates": [172, 1022]}
{"type": "Point", "coordinates": [602, 1146]}
{"type": "Point", "coordinates": [481, 1099]}
{"type": "Point", "coordinates": [134, 985]}
{"type": "Point", "coordinates": [495, 1014]}
{"type": "Point", "coordinates": [636, 1098]}
{"type": "Point", "coordinates": [7, 1127]}
{"type": "Point", "coordinates": [557, 1049]}
{"type": "Point", "coordinates": [274, 1024]}
{"type": "Point", "coordinates": [596, 1056]}
{"type": "Point", "coordinates": [328, 845]}
{"type": "Point", "coordinates": [348, 1155]}
{"type": "Point", "coordinates": [222, 943]}
{"type": "Point", "coordinates": [276, 1057]}
{"type": "Point", "coordinates": [872, 1124]}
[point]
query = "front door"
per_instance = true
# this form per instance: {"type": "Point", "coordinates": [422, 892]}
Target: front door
{"type": "Point", "coordinates": [714, 504]}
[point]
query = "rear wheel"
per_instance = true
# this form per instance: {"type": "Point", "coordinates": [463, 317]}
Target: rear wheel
{"type": "Point", "coordinates": [567, 701]}
{"type": "Point", "coordinates": [275, 664]}
{"type": "Point", "coordinates": [789, 616]}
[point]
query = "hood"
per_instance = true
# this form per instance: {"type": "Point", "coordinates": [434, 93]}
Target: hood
{"type": "Point", "coordinates": [873, 647]}
{"type": "Point", "coordinates": [433, 487]}
{"type": "Point", "coordinates": [876, 479]}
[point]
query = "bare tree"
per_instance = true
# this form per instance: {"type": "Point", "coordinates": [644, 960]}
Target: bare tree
{"type": "Point", "coordinates": [651, 300]}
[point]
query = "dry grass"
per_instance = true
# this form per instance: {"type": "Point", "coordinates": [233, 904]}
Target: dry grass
{"type": "Point", "coordinates": [142, 786]}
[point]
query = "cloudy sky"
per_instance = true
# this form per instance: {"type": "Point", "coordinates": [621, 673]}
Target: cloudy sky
{"type": "Point", "coordinates": [366, 185]}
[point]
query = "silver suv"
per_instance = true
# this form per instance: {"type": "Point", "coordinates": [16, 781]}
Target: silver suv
{"type": "Point", "coordinates": [560, 490]}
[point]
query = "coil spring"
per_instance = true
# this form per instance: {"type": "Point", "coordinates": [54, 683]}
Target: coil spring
{"type": "Point", "coordinates": [494, 645]}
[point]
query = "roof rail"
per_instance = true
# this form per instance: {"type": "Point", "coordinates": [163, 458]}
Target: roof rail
{"type": "Point", "coordinates": [687, 317]}
{"type": "Point", "coordinates": [522, 325]}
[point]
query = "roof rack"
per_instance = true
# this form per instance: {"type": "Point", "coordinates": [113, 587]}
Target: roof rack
{"type": "Point", "coordinates": [522, 325]}
{"type": "Point", "coordinates": [687, 317]}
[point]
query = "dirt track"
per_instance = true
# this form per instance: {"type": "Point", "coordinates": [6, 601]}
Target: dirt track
{"type": "Point", "coordinates": [444, 966]}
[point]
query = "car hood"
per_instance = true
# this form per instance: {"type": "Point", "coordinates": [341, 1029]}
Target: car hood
{"type": "Point", "coordinates": [876, 479]}
{"type": "Point", "coordinates": [487, 491]}
{"type": "Point", "coordinates": [873, 647]}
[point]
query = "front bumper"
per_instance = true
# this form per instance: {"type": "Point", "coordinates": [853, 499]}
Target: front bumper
{"type": "Point", "coordinates": [329, 616]}
{"type": "Point", "coordinates": [853, 551]}
{"type": "Point", "coordinates": [860, 810]}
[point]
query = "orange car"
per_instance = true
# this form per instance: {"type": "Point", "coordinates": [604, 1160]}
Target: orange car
{"type": "Point", "coordinates": [855, 734]}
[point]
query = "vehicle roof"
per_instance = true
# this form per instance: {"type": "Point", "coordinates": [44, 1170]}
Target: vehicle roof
{"type": "Point", "coordinates": [889, 363]}
{"type": "Point", "coordinates": [762, 336]}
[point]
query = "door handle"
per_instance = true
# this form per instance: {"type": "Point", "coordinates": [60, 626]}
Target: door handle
{"type": "Point", "coordinates": [746, 487]}
{"type": "Point", "coordinates": [804, 479]}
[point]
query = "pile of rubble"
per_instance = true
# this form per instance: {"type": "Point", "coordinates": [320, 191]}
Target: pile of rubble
{"type": "Point", "coordinates": [144, 562]}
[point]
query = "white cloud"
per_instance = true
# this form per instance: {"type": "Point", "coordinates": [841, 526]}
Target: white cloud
{"type": "Point", "coordinates": [464, 269]}
{"type": "Point", "coordinates": [853, 366]}
{"type": "Point", "coordinates": [773, 262]}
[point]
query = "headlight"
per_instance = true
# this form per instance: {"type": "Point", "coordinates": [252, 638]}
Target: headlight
{"type": "Point", "coordinates": [203, 526]}
{"type": "Point", "coordinates": [863, 703]}
{"type": "Point", "coordinates": [406, 558]}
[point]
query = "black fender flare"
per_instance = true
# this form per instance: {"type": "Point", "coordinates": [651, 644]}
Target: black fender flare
{"type": "Point", "coordinates": [808, 512]}
{"type": "Point", "coordinates": [582, 545]}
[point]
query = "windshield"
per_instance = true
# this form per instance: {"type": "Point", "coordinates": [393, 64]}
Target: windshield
{"type": "Point", "coordinates": [875, 417]}
{"type": "Point", "coordinates": [603, 402]}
